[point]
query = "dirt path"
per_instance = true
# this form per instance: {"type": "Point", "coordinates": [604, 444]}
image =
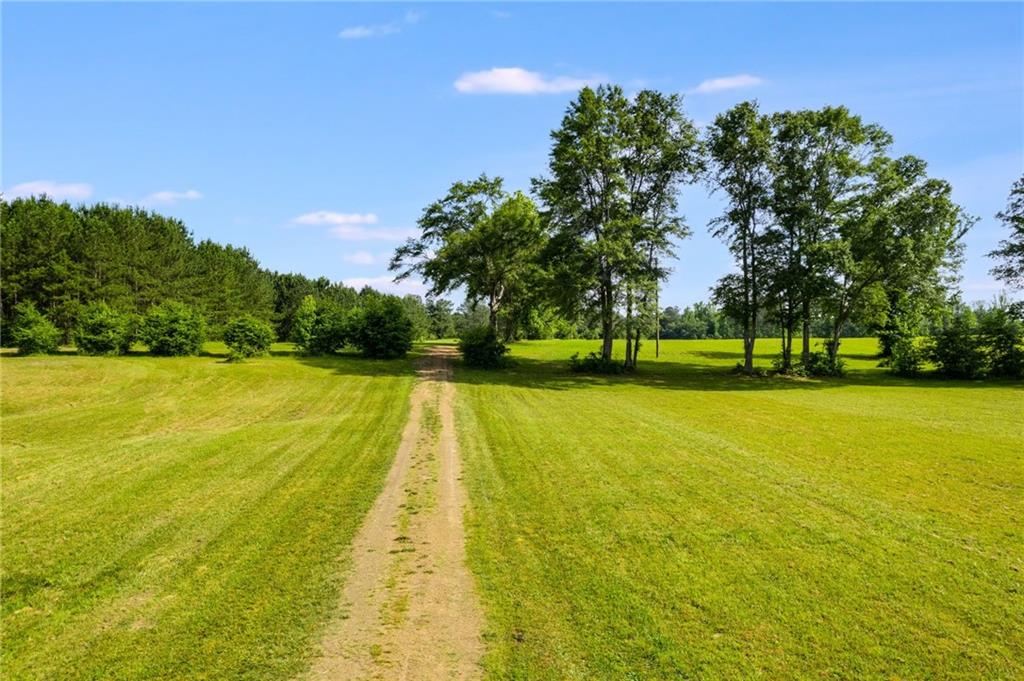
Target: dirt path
{"type": "Point", "coordinates": [409, 609]}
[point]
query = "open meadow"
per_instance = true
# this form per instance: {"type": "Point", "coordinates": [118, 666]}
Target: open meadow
{"type": "Point", "coordinates": [685, 522]}
{"type": "Point", "coordinates": [184, 517]}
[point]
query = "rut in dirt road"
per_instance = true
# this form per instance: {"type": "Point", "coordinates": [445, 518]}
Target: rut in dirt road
{"type": "Point", "coordinates": [409, 608]}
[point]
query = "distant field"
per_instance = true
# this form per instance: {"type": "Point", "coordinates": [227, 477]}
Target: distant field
{"type": "Point", "coordinates": [685, 522]}
{"type": "Point", "coordinates": [182, 518]}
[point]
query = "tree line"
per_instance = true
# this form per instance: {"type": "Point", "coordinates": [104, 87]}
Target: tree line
{"type": "Point", "coordinates": [830, 232]}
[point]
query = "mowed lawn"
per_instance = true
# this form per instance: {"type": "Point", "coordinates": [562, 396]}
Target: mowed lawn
{"type": "Point", "coordinates": [689, 523]}
{"type": "Point", "coordinates": [184, 518]}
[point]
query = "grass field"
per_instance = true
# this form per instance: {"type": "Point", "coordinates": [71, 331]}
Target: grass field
{"type": "Point", "coordinates": [685, 522]}
{"type": "Point", "coordinates": [183, 518]}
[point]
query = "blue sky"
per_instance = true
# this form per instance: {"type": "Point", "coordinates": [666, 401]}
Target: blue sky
{"type": "Point", "coordinates": [315, 133]}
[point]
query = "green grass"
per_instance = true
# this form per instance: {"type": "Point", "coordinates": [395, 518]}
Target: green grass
{"type": "Point", "coordinates": [686, 522]}
{"type": "Point", "coordinates": [184, 518]}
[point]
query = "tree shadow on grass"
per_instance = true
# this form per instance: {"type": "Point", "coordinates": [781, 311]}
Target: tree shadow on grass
{"type": "Point", "coordinates": [554, 374]}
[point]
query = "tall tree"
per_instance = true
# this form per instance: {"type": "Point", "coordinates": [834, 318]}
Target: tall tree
{"type": "Point", "coordinates": [615, 169]}
{"type": "Point", "coordinates": [477, 237]}
{"type": "Point", "coordinates": [740, 147]}
{"type": "Point", "coordinates": [821, 157]}
{"type": "Point", "coordinates": [1010, 254]}
{"type": "Point", "coordinates": [902, 232]}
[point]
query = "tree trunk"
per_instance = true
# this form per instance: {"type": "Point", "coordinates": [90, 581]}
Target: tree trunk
{"type": "Point", "coordinates": [805, 353]}
{"type": "Point", "coordinates": [629, 329]}
{"type": "Point", "coordinates": [492, 314]}
{"type": "Point", "coordinates": [607, 320]}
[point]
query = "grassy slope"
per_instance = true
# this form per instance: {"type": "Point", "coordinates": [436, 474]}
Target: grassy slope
{"type": "Point", "coordinates": [686, 522]}
{"type": "Point", "coordinates": [180, 518]}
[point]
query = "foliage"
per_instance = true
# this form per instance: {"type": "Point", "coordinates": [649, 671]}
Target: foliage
{"type": "Point", "coordinates": [381, 328]}
{"type": "Point", "coordinates": [957, 350]}
{"type": "Point", "coordinates": [303, 322]}
{"type": "Point", "coordinates": [477, 237]}
{"type": "Point", "coordinates": [332, 328]}
{"type": "Point", "coordinates": [594, 363]}
{"type": "Point", "coordinates": [33, 333]}
{"type": "Point", "coordinates": [616, 165]}
{"type": "Point", "coordinates": [102, 330]}
{"type": "Point", "coordinates": [1002, 336]}
{"type": "Point", "coordinates": [173, 329]}
{"type": "Point", "coordinates": [481, 348]}
{"type": "Point", "coordinates": [825, 363]}
{"type": "Point", "coordinates": [441, 314]}
{"type": "Point", "coordinates": [416, 311]}
{"type": "Point", "coordinates": [906, 357]}
{"type": "Point", "coordinates": [1010, 254]}
{"type": "Point", "coordinates": [247, 337]}
{"type": "Point", "coordinates": [740, 146]}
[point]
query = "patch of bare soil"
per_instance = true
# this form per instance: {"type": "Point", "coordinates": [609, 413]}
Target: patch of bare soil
{"type": "Point", "coordinates": [409, 608]}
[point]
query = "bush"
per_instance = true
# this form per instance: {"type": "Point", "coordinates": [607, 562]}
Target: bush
{"type": "Point", "coordinates": [823, 364]}
{"type": "Point", "coordinates": [381, 329]}
{"type": "Point", "coordinates": [330, 330]}
{"type": "Point", "coordinates": [1003, 339]}
{"type": "Point", "coordinates": [248, 337]}
{"type": "Point", "coordinates": [102, 330]}
{"type": "Point", "coordinates": [905, 358]}
{"type": "Point", "coordinates": [173, 329]}
{"type": "Point", "coordinates": [957, 349]}
{"type": "Point", "coordinates": [481, 348]}
{"type": "Point", "coordinates": [33, 333]}
{"type": "Point", "coordinates": [594, 364]}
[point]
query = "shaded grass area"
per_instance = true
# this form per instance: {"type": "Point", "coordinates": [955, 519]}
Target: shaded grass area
{"type": "Point", "coordinates": [685, 522]}
{"type": "Point", "coordinates": [183, 517]}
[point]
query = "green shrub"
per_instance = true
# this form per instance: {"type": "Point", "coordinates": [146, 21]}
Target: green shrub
{"type": "Point", "coordinates": [822, 364]}
{"type": "Point", "coordinates": [305, 320]}
{"type": "Point", "coordinates": [330, 331]}
{"type": "Point", "coordinates": [957, 350]}
{"type": "Point", "coordinates": [1002, 337]}
{"type": "Point", "coordinates": [480, 347]}
{"type": "Point", "coordinates": [247, 337]}
{"type": "Point", "coordinates": [382, 328]}
{"type": "Point", "coordinates": [33, 333]}
{"type": "Point", "coordinates": [594, 364]}
{"type": "Point", "coordinates": [102, 330]}
{"type": "Point", "coordinates": [173, 329]}
{"type": "Point", "coordinates": [905, 358]}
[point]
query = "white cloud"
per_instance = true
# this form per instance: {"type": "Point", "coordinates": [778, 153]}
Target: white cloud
{"type": "Point", "coordinates": [387, 284]}
{"type": "Point", "coordinates": [357, 32]}
{"type": "Point", "coordinates": [360, 258]}
{"type": "Point", "coordinates": [361, 233]}
{"type": "Point", "coordinates": [517, 81]}
{"type": "Point", "coordinates": [379, 30]}
{"type": "Point", "coordinates": [325, 217]}
{"type": "Point", "coordinates": [167, 197]}
{"type": "Point", "coordinates": [500, 14]}
{"type": "Point", "coordinates": [55, 190]}
{"type": "Point", "coordinates": [736, 82]}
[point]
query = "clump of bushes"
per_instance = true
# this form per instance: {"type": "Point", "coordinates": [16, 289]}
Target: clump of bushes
{"type": "Point", "coordinates": [33, 333]}
{"type": "Point", "coordinates": [481, 348]}
{"type": "Point", "coordinates": [173, 329]}
{"type": "Point", "coordinates": [824, 364]}
{"type": "Point", "coordinates": [321, 328]}
{"type": "Point", "coordinates": [102, 330]}
{"type": "Point", "coordinates": [381, 329]}
{"type": "Point", "coordinates": [593, 363]}
{"type": "Point", "coordinates": [905, 357]}
{"type": "Point", "coordinates": [247, 337]}
{"type": "Point", "coordinates": [967, 348]}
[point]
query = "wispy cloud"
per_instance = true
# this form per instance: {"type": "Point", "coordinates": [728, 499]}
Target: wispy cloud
{"type": "Point", "coordinates": [360, 258]}
{"type": "Point", "coordinates": [55, 190]}
{"type": "Point", "coordinates": [500, 14]}
{"type": "Point", "coordinates": [379, 30]}
{"type": "Point", "coordinates": [517, 81]}
{"type": "Point", "coordinates": [362, 233]}
{"type": "Point", "coordinates": [387, 284]}
{"type": "Point", "coordinates": [169, 197]}
{"type": "Point", "coordinates": [742, 80]}
{"type": "Point", "coordinates": [326, 217]}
